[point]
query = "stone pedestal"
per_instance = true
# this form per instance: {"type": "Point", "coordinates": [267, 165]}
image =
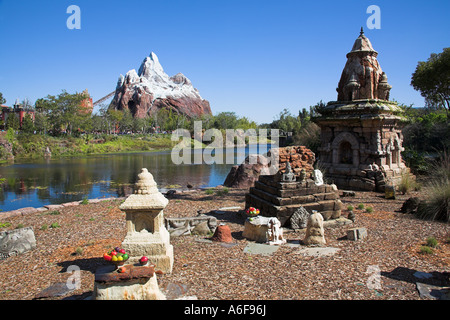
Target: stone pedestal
{"type": "Point", "coordinates": [134, 283]}
{"type": "Point", "coordinates": [146, 233]}
{"type": "Point", "coordinates": [263, 230]}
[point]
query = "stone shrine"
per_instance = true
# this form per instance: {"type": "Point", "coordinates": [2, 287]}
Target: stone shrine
{"type": "Point", "coordinates": [275, 198]}
{"type": "Point", "coordinates": [146, 233]}
{"type": "Point", "coordinates": [361, 137]}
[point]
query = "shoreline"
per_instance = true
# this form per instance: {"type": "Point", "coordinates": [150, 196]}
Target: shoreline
{"type": "Point", "coordinates": [54, 207]}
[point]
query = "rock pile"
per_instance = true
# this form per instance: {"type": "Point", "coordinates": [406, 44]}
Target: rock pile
{"type": "Point", "coordinates": [245, 175]}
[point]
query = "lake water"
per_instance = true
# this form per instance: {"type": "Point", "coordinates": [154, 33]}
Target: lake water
{"type": "Point", "coordinates": [55, 181]}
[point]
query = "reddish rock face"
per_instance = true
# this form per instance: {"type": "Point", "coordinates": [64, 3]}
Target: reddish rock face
{"type": "Point", "coordinates": [150, 90]}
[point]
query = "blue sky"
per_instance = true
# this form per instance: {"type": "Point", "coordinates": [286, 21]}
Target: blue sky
{"type": "Point", "coordinates": [254, 58]}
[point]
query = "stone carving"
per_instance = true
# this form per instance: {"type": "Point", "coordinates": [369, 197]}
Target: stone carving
{"type": "Point", "coordinates": [146, 233]}
{"type": "Point", "coordinates": [299, 218]}
{"type": "Point", "coordinates": [315, 234]}
{"type": "Point", "coordinates": [318, 177]}
{"type": "Point", "coordinates": [185, 226]}
{"type": "Point", "coordinates": [275, 233]}
{"type": "Point", "coordinates": [15, 242]}
{"type": "Point", "coordinates": [288, 175]}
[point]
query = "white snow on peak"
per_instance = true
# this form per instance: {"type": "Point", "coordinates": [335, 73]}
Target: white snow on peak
{"type": "Point", "coordinates": [152, 78]}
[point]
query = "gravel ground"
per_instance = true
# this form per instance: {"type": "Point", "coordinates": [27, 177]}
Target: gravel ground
{"type": "Point", "coordinates": [211, 271]}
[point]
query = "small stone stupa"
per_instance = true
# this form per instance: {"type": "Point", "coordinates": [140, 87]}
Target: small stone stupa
{"type": "Point", "coordinates": [146, 233]}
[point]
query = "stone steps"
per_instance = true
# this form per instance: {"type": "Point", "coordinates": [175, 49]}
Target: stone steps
{"type": "Point", "coordinates": [281, 200]}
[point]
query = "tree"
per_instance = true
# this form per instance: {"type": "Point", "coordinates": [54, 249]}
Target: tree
{"type": "Point", "coordinates": [2, 100]}
{"type": "Point", "coordinates": [12, 121]}
{"type": "Point", "coordinates": [63, 112]}
{"type": "Point", "coordinates": [115, 116]}
{"type": "Point", "coordinates": [226, 120]}
{"type": "Point", "coordinates": [432, 79]}
{"type": "Point", "coordinates": [27, 124]}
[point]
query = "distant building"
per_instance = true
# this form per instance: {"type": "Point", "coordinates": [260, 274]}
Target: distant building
{"type": "Point", "coordinates": [18, 110]}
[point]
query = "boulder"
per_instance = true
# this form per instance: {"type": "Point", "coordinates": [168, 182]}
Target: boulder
{"type": "Point", "coordinates": [410, 205]}
{"type": "Point", "coordinates": [15, 242]}
{"type": "Point", "coordinates": [245, 175]}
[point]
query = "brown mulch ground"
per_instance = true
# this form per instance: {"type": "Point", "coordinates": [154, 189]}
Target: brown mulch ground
{"type": "Point", "coordinates": [212, 271]}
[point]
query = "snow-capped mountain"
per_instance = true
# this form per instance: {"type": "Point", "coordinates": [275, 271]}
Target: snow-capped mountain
{"type": "Point", "coordinates": [150, 89]}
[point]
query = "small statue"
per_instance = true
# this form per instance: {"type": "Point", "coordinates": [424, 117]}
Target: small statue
{"type": "Point", "coordinates": [302, 175]}
{"type": "Point", "coordinates": [314, 230]}
{"type": "Point", "coordinates": [288, 175]}
{"type": "Point", "coordinates": [275, 233]}
{"type": "Point", "coordinates": [318, 177]}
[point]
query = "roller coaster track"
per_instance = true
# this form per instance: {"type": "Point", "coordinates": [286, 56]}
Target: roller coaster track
{"type": "Point", "coordinates": [104, 98]}
{"type": "Point", "coordinates": [111, 94]}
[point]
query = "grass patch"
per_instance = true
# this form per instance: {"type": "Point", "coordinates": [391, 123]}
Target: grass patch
{"type": "Point", "coordinates": [407, 184]}
{"type": "Point", "coordinates": [437, 204]}
{"type": "Point", "coordinates": [55, 225]}
{"type": "Point", "coordinates": [426, 250]}
{"type": "Point", "coordinates": [432, 242]}
{"type": "Point", "coordinates": [5, 225]}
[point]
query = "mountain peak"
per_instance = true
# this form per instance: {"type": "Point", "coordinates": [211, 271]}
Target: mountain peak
{"type": "Point", "coordinates": [150, 88]}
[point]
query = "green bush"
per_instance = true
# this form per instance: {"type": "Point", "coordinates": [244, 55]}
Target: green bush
{"type": "Point", "coordinates": [426, 250]}
{"type": "Point", "coordinates": [361, 206]}
{"type": "Point", "coordinates": [432, 242]}
{"type": "Point", "coordinates": [350, 208]}
{"type": "Point", "coordinates": [369, 209]}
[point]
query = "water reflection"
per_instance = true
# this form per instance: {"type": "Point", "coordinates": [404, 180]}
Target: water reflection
{"type": "Point", "coordinates": [38, 183]}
